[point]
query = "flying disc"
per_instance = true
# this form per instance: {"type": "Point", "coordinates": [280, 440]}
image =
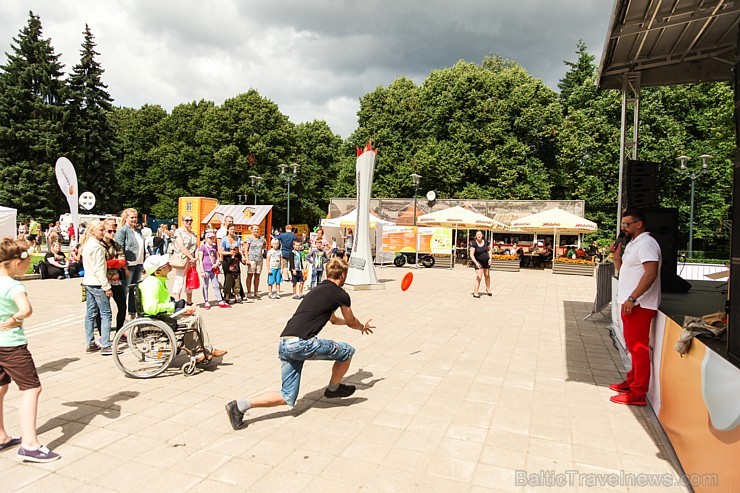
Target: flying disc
{"type": "Point", "coordinates": [406, 281]}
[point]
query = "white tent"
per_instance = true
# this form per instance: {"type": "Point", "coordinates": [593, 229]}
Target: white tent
{"type": "Point", "coordinates": [556, 221]}
{"type": "Point", "coordinates": [460, 218]}
{"type": "Point", "coordinates": [7, 222]}
{"type": "Point", "coordinates": [349, 220]}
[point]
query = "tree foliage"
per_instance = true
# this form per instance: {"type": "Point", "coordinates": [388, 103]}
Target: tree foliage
{"type": "Point", "coordinates": [32, 112]}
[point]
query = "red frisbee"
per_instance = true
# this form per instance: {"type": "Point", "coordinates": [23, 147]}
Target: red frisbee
{"type": "Point", "coordinates": [406, 281]}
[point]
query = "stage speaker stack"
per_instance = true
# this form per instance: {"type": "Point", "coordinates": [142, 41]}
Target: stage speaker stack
{"type": "Point", "coordinates": [639, 192]}
{"type": "Point", "coordinates": [733, 329]}
{"type": "Point", "coordinates": [638, 189]}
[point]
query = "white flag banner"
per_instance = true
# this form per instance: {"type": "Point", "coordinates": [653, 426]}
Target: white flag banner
{"type": "Point", "coordinates": [67, 179]}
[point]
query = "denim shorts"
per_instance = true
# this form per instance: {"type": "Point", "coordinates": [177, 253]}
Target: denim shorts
{"type": "Point", "coordinates": [294, 351]}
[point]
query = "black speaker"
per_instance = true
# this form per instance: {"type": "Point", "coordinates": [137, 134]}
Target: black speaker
{"type": "Point", "coordinates": [733, 327]}
{"type": "Point", "coordinates": [639, 183]}
{"type": "Point", "coordinates": [640, 200]}
{"type": "Point", "coordinates": [638, 186]}
{"type": "Point", "coordinates": [663, 226]}
{"type": "Point", "coordinates": [641, 168]}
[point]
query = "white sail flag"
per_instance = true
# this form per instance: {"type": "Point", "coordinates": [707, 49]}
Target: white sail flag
{"type": "Point", "coordinates": [67, 179]}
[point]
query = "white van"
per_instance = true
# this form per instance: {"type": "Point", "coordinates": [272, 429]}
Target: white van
{"type": "Point", "coordinates": [66, 219]}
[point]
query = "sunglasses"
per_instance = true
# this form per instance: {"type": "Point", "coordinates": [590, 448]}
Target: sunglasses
{"type": "Point", "coordinates": [624, 225]}
{"type": "Point", "coordinates": [188, 220]}
{"type": "Point", "coordinates": [111, 230]}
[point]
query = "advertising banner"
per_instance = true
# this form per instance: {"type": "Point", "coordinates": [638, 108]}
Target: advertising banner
{"type": "Point", "coordinates": [67, 179]}
{"type": "Point", "coordinates": [404, 239]}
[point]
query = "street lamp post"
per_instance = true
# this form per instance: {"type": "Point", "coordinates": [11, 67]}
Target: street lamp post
{"type": "Point", "coordinates": [416, 178]}
{"type": "Point", "coordinates": [693, 176]}
{"type": "Point", "coordinates": [256, 182]}
{"type": "Point", "coordinates": [288, 177]}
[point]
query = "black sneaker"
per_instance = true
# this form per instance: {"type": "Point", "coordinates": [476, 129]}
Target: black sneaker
{"type": "Point", "coordinates": [42, 454]}
{"type": "Point", "coordinates": [342, 391]}
{"type": "Point", "coordinates": [108, 351]}
{"type": "Point", "coordinates": [235, 416]}
{"type": "Point", "coordinates": [92, 348]}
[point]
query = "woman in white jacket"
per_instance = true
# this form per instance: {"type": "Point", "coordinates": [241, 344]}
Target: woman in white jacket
{"type": "Point", "coordinates": [97, 289]}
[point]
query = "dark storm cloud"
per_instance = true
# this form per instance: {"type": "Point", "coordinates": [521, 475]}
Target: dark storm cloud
{"type": "Point", "coordinates": [314, 59]}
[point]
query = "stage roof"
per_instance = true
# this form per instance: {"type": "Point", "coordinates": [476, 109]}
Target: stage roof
{"type": "Point", "coordinates": [670, 42]}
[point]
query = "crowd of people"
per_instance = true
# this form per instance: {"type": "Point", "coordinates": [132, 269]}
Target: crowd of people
{"type": "Point", "coordinates": [113, 258]}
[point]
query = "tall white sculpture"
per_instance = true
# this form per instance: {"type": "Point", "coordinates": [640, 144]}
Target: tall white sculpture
{"type": "Point", "coordinates": [361, 268]}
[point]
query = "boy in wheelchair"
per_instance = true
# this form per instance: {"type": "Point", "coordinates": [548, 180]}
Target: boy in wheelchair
{"type": "Point", "coordinates": [156, 302]}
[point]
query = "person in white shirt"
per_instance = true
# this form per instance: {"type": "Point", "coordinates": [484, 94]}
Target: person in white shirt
{"type": "Point", "coordinates": [97, 289]}
{"type": "Point", "coordinates": [639, 297]}
{"type": "Point", "coordinates": [223, 230]}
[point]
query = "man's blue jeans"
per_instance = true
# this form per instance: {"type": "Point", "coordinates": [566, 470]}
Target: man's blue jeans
{"type": "Point", "coordinates": [98, 305]}
{"type": "Point", "coordinates": [293, 352]}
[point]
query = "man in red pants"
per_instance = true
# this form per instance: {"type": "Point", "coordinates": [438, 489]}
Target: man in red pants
{"type": "Point", "coordinates": [639, 296]}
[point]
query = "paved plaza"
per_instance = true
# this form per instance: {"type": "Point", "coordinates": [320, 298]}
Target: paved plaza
{"type": "Point", "coordinates": [454, 394]}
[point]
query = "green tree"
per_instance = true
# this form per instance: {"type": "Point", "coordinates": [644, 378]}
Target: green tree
{"type": "Point", "coordinates": [32, 96]}
{"type": "Point", "coordinates": [139, 135]}
{"type": "Point", "coordinates": [90, 133]}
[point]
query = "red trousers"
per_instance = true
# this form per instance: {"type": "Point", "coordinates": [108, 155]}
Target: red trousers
{"type": "Point", "coordinates": [636, 327]}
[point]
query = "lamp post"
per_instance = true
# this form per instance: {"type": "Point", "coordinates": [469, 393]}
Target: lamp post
{"type": "Point", "coordinates": [256, 182]}
{"type": "Point", "coordinates": [416, 178]}
{"type": "Point", "coordinates": [288, 177]}
{"type": "Point", "coordinates": [693, 176]}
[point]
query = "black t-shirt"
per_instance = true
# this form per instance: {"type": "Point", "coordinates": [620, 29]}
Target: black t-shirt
{"type": "Point", "coordinates": [480, 251]}
{"type": "Point", "coordinates": [315, 310]}
{"type": "Point", "coordinates": [59, 257]}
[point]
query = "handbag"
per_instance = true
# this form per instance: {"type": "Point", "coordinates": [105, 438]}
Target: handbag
{"type": "Point", "coordinates": [178, 259]}
{"type": "Point", "coordinates": [192, 279]}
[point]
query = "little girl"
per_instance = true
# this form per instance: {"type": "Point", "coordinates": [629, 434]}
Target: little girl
{"type": "Point", "coordinates": [16, 362]}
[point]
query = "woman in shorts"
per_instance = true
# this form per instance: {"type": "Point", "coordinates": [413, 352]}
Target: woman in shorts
{"type": "Point", "coordinates": [16, 362]}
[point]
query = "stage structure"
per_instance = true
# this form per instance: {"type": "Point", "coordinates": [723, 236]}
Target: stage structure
{"type": "Point", "coordinates": [361, 273]}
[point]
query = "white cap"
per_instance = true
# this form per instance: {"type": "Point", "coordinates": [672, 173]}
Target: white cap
{"type": "Point", "coordinates": [154, 262]}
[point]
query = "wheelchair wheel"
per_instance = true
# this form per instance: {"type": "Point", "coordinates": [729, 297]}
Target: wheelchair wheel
{"type": "Point", "coordinates": [188, 368]}
{"type": "Point", "coordinates": [147, 350]}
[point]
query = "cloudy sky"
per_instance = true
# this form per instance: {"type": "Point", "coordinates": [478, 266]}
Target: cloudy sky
{"type": "Point", "coordinates": [316, 58]}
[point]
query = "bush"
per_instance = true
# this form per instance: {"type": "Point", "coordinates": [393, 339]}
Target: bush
{"type": "Point", "coordinates": [501, 256]}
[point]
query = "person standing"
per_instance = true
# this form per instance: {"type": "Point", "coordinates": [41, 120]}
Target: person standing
{"type": "Point", "coordinates": [16, 362]}
{"type": "Point", "coordinates": [299, 342]}
{"type": "Point", "coordinates": [34, 228]}
{"type": "Point", "coordinates": [349, 240]}
{"type": "Point", "coordinates": [115, 261]}
{"type": "Point", "coordinates": [317, 257]}
{"type": "Point", "coordinates": [184, 253]}
{"type": "Point", "coordinates": [274, 277]}
{"type": "Point", "coordinates": [224, 229]}
{"type": "Point", "coordinates": [639, 297]}
{"type": "Point", "coordinates": [97, 290]}
{"type": "Point", "coordinates": [286, 248]}
{"type": "Point", "coordinates": [209, 268]}
{"type": "Point", "coordinates": [480, 255]}
{"type": "Point", "coordinates": [129, 237]}
{"type": "Point", "coordinates": [255, 248]}
{"type": "Point", "coordinates": [296, 270]}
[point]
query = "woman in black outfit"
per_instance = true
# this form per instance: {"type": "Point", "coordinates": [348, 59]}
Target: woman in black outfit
{"type": "Point", "coordinates": [480, 254]}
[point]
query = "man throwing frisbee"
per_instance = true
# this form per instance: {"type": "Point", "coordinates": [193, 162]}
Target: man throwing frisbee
{"type": "Point", "coordinates": [299, 342]}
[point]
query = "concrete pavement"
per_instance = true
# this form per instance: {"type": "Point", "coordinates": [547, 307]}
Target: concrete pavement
{"type": "Point", "coordinates": [454, 394]}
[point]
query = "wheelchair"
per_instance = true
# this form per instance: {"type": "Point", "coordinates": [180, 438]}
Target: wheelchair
{"type": "Point", "coordinates": [146, 346]}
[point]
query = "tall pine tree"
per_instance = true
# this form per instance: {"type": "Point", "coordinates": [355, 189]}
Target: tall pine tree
{"type": "Point", "coordinates": [91, 133]}
{"type": "Point", "coordinates": [31, 114]}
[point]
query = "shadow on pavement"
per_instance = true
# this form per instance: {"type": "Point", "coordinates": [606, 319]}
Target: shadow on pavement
{"type": "Point", "coordinates": [588, 344]}
{"type": "Point", "coordinates": [55, 365]}
{"type": "Point", "coordinates": [316, 398]}
{"type": "Point", "coordinates": [74, 421]}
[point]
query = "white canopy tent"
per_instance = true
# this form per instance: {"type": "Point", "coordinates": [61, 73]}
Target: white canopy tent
{"type": "Point", "coordinates": [349, 220]}
{"type": "Point", "coordinates": [459, 218]}
{"type": "Point", "coordinates": [556, 221]}
{"type": "Point", "coordinates": [8, 222]}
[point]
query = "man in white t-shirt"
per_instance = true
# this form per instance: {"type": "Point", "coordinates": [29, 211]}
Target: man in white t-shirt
{"type": "Point", "coordinates": [221, 232]}
{"type": "Point", "coordinates": [639, 296]}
